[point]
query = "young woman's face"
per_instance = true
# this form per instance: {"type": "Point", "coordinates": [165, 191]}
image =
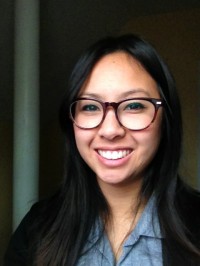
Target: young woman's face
{"type": "Point", "coordinates": [114, 78]}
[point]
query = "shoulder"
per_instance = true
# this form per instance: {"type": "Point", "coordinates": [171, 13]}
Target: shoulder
{"type": "Point", "coordinates": [28, 235]}
{"type": "Point", "coordinates": [18, 248]}
{"type": "Point", "coordinates": [187, 197]}
{"type": "Point", "coordinates": [188, 205]}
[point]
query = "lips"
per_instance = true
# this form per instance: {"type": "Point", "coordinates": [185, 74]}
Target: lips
{"type": "Point", "coordinates": [113, 155]}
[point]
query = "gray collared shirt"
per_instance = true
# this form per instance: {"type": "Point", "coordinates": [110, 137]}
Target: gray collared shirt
{"type": "Point", "coordinates": [142, 248]}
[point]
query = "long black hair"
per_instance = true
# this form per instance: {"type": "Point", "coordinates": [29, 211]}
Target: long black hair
{"type": "Point", "coordinates": [67, 218]}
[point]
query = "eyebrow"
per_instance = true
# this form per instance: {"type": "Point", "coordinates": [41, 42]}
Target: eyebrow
{"type": "Point", "coordinates": [123, 95]}
{"type": "Point", "coordinates": [134, 91]}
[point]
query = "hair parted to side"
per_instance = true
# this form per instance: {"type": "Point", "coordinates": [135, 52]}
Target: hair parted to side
{"type": "Point", "coordinates": [80, 201]}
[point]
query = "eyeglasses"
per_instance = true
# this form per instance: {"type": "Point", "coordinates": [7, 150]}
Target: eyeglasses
{"type": "Point", "coordinates": [134, 114]}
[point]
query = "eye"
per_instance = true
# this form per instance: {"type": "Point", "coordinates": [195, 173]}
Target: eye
{"type": "Point", "coordinates": [134, 106]}
{"type": "Point", "coordinates": [90, 108]}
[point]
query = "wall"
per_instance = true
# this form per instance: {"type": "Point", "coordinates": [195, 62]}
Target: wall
{"type": "Point", "coordinates": [177, 37]}
{"type": "Point", "coordinates": [6, 111]}
{"type": "Point", "coordinates": [5, 184]}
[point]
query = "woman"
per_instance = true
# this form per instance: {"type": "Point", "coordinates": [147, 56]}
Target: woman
{"type": "Point", "coordinates": [122, 201]}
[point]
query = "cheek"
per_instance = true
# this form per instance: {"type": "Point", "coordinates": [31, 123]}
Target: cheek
{"type": "Point", "coordinates": [155, 138]}
{"type": "Point", "coordinates": [79, 138]}
{"type": "Point", "coordinates": [83, 139]}
{"type": "Point", "coordinates": [149, 140]}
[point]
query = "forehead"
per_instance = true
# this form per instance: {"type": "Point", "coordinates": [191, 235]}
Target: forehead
{"type": "Point", "coordinates": [117, 74]}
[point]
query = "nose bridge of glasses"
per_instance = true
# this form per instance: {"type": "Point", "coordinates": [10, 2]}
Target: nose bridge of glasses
{"type": "Point", "coordinates": [114, 106]}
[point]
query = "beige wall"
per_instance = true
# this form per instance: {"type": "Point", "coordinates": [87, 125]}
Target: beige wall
{"type": "Point", "coordinates": [177, 37]}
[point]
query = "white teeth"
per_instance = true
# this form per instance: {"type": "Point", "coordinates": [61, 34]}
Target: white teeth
{"type": "Point", "coordinates": [113, 155]}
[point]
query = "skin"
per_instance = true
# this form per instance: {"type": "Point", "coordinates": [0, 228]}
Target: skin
{"type": "Point", "coordinates": [115, 77]}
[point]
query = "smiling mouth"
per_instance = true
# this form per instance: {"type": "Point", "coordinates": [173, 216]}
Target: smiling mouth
{"type": "Point", "coordinates": [114, 155]}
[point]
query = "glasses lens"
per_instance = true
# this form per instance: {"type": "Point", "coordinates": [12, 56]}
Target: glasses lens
{"type": "Point", "coordinates": [136, 114]}
{"type": "Point", "coordinates": [86, 113]}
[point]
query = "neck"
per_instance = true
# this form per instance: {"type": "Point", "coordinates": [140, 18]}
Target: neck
{"type": "Point", "coordinates": [126, 207]}
{"type": "Point", "coordinates": [122, 199]}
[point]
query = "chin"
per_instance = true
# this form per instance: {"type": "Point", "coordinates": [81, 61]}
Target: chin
{"type": "Point", "coordinates": [113, 180]}
{"type": "Point", "coordinates": [116, 179]}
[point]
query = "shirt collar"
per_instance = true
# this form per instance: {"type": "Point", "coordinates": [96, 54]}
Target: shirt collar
{"type": "Point", "coordinates": [148, 225]}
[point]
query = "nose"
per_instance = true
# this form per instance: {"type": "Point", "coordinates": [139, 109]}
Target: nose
{"type": "Point", "coordinates": [110, 127]}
